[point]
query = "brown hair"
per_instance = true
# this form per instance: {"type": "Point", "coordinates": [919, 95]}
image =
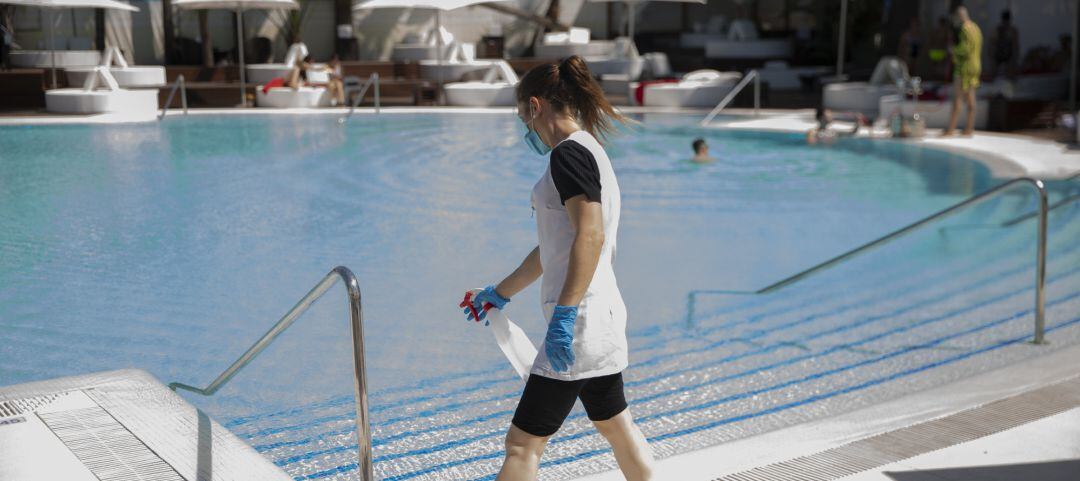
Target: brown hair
{"type": "Point", "coordinates": [569, 86]}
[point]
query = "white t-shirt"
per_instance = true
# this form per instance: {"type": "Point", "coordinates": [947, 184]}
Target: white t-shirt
{"type": "Point", "coordinates": [579, 165]}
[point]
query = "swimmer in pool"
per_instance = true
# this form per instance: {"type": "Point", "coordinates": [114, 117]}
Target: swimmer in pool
{"type": "Point", "coordinates": [576, 204]}
{"type": "Point", "coordinates": [823, 134]}
{"type": "Point", "coordinates": [701, 152]}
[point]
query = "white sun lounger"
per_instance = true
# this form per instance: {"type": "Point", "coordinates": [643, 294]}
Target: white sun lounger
{"type": "Point", "coordinates": [864, 97]}
{"type": "Point", "coordinates": [127, 76]}
{"type": "Point", "coordinates": [700, 88]}
{"type": "Point", "coordinates": [101, 93]}
{"type": "Point", "coordinates": [261, 73]}
{"type": "Point", "coordinates": [496, 88]}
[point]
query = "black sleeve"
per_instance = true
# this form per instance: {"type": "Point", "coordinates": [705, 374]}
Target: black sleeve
{"type": "Point", "coordinates": [574, 170]}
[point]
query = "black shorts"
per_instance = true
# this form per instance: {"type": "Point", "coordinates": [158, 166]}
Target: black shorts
{"type": "Point", "coordinates": [546, 402]}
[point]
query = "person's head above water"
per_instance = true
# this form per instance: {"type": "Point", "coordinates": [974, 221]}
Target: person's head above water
{"type": "Point", "coordinates": [557, 92]}
{"type": "Point", "coordinates": [700, 147]}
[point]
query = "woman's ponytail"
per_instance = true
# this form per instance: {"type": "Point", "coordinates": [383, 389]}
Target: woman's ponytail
{"type": "Point", "coordinates": [570, 85]}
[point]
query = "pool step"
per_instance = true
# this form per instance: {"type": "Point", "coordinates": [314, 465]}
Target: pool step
{"type": "Point", "coordinates": [117, 426]}
{"type": "Point", "coordinates": [925, 437]}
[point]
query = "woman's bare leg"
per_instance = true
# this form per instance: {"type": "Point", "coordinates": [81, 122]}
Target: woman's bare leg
{"type": "Point", "coordinates": [294, 79]}
{"type": "Point", "coordinates": [632, 452]}
{"type": "Point", "coordinates": [954, 116]}
{"type": "Point", "coordinates": [523, 451]}
{"type": "Point", "coordinates": [969, 98]}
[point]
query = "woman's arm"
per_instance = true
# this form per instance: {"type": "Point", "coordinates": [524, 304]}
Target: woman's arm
{"type": "Point", "coordinates": [587, 218]}
{"type": "Point", "coordinates": [525, 274]}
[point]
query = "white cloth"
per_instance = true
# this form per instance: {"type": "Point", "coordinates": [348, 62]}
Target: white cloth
{"type": "Point", "coordinates": [512, 341]}
{"type": "Point", "coordinates": [600, 329]}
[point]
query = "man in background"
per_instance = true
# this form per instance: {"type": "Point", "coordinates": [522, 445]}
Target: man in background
{"type": "Point", "coordinates": [701, 152]}
{"type": "Point", "coordinates": [1006, 45]}
{"type": "Point", "coordinates": [967, 66]}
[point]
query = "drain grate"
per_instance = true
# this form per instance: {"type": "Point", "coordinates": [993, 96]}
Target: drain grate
{"type": "Point", "coordinates": [921, 438]}
{"type": "Point", "coordinates": [106, 447]}
{"type": "Point", "coordinates": [29, 404]}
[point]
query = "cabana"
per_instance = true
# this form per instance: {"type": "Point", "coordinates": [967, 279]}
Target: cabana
{"type": "Point", "coordinates": [239, 6]}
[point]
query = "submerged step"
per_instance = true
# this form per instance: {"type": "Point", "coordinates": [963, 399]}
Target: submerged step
{"type": "Point", "coordinates": [117, 426]}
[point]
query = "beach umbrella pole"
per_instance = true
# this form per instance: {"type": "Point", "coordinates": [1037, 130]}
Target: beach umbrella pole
{"type": "Point", "coordinates": [843, 32]}
{"type": "Point", "coordinates": [52, 47]}
{"type": "Point", "coordinates": [240, 50]}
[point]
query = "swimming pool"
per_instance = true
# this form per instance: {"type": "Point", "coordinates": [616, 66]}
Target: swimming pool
{"type": "Point", "coordinates": [171, 246]}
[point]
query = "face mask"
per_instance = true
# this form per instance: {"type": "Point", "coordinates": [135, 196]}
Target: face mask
{"type": "Point", "coordinates": [532, 139]}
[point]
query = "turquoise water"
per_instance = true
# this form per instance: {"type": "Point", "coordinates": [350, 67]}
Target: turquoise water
{"type": "Point", "coordinates": [171, 247]}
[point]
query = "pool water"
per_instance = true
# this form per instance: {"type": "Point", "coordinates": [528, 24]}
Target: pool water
{"type": "Point", "coordinates": [171, 247]}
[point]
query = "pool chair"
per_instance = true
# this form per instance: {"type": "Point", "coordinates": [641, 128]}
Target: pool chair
{"type": "Point", "coordinates": [704, 32]}
{"type": "Point", "coordinates": [462, 60]}
{"type": "Point", "coordinates": [261, 73]}
{"type": "Point", "coordinates": [741, 41]}
{"type": "Point", "coordinates": [414, 48]}
{"type": "Point", "coordinates": [576, 41]}
{"type": "Point", "coordinates": [126, 76]}
{"type": "Point", "coordinates": [697, 89]}
{"type": "Point", "coordinates": [101, 93]}
{"type": "Point", "coordinates": [864, 97]}
{"type": "Point", "coordinates": [495, 89]}
{"type": "Point", "coordinates": [64, 58]}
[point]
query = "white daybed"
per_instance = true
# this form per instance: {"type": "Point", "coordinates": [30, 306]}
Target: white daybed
{"type": "Point", "coordinates": [496, 88]}
{"type": "Point", "coordinates": [935, 113]}
{"type": "Point", "coordinates": [287, 98]}
{"type": "Point", "coordinates": [864, 97]}
{"type": "Point", "coordinates": [414, 48]}
{"type": "Point", "coordinates": [261, 73]}
{"type": "Point", "coordinates": [101, 93]}
{"type": "Point", "coordinates": [700, 89]}
{"type": "Point", "coordinates": [781, 76]}
{"type": "Point", "coordinates": [577, 41]}
{"type": "Point", "coordinates": [126, 76]}
{"type": "Point", "coordinates": [462, 60]}
{"type": "Point", "coordinates": [623, 59]}
{"type": "Point", "coordinates": [743, 42]}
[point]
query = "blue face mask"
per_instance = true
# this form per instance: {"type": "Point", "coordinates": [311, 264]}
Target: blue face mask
{"type": "Point", "coordinates": [532, 139]}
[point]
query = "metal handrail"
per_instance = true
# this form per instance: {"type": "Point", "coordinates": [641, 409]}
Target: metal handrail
{"type": "Point", "coordinates": [373, 79]}
{"type": "Point", "coordinates": [356, 314]}
{"type": "Point", "coordinates": [1040, 255]}
{"type": "Point", "coordinates": [178, 83]}
{"type": "Point", "coordinates": [752, 75]}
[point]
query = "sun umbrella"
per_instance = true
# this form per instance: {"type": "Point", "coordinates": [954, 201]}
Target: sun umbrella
{"type": "Point", "coordinates": [631, 3]}
{"type": "Point", "coordinates": [55, 4]}
{"type": "Point", "coordinates": [239, 6]}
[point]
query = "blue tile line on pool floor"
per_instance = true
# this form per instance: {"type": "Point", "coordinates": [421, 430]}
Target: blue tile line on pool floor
{"type": "Point", "coordinates": [714, 363]}
{"type": "Point", "coordinates": [347, 399]}
{"type": "Point", "coordinates": [720, 422]}
{"type": "Point", "coordinates": [789, 383]}
{"type": "Point", "coordinates": [984, 281]}
{"type": "Point", "coordinates": [643, 331]}
{"type": "Point", "coordinates": [704, 365]}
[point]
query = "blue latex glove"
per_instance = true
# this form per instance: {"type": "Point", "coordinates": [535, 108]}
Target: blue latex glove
{"type": "Point", "coordinates": [560, 338]}
{"type": "Point", "coordinates": [480, 304]}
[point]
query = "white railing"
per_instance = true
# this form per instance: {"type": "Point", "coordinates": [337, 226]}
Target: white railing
{"type": "Point", "coordinates": [363, 88]}
{"type": "Point", "coordinates": [752, 75]}
{"type": "Point", "coordinates": [177, 84]}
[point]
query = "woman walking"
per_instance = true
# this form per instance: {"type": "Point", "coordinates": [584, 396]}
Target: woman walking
{"type": "Point", "coordinates": [577, 216]}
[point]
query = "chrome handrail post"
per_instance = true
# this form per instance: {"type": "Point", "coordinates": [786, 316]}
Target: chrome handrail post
{"type": "Point", "coordinates": [752, 75]}
{"type": "Point", "coordinates": [757, 93]}
{"type": "Point", "coordinates": [356, 318]}
{"type": "Point", "coordinates": [1040, 255]}
{"type": "Point", "coordinates": [183, 93]}
{"type": "Point", "coordinates": [375, 76]}
{"type": "Point", "coordinates": [177, 84]}
{"type": "Point", "coordinates": [1040, 266]}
